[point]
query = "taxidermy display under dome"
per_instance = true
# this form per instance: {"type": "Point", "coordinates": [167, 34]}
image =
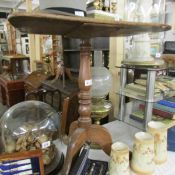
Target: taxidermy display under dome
{"type": "Point", "coordinates": [30, 125]}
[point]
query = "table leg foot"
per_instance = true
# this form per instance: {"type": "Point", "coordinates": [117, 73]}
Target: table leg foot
{"type": "Point", "coordinates": [94, 134]}
{"type": "Point", "coordinates": [77, 139]}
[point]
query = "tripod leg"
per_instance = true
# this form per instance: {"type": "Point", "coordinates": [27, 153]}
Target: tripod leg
{"type": "Point", "coordinates": [77, 139]}
{"type": "Point", "coordinates": [73, 127]}
{"type": "Point", "coordinates": [100, 135]}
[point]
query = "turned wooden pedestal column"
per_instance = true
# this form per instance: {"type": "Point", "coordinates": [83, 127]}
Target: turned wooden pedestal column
{"type": "Point", "coordinates": [82, 130]}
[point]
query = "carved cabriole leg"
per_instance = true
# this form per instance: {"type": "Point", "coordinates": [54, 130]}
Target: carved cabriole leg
{"type": "Point", "coordinates": [82, 130]}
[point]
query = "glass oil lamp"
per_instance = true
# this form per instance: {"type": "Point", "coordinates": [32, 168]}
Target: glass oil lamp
{"type": "Point", "coordinates": [101, 84]}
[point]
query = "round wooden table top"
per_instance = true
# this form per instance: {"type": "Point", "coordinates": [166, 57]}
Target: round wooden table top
{"type": "Point", "coordinates": [79, 27]}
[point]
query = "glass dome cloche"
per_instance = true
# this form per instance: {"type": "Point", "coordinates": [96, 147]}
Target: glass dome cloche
{"type": "Point", "coordinates": [30, 125]}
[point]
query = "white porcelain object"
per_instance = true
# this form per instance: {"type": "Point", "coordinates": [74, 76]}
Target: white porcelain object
{"type": "Point", "coordinates": [143, 153]}
{"type": "Point", "coordinates": [141, 48]}
{"type": "Point", "coordinates": [159, 131]}
{"type": "Point", "coordinates": [119, 159]}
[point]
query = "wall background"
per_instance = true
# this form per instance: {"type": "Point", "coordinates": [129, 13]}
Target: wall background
{"type": "Point", "coordinates": [170, 19]}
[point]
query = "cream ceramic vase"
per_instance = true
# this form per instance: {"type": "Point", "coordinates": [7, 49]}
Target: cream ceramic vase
{"type": "Point", "coordinates": [159, 131]}
{"type": "Point", "coordinates": [143, 153]}
{"type": "Point", "coordinates": [119, 159]}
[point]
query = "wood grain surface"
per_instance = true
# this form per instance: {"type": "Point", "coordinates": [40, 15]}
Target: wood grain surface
{"type": "Point", "coordinates": [79, 27]}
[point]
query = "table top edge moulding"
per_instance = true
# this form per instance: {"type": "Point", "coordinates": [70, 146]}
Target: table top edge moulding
{"type": "Point", "coordinates": [85, 28]}
{"type": "Point", "coordinates": [79, 27]}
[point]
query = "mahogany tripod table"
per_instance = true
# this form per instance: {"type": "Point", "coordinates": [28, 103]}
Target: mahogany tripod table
{"type": "Point", "coordinates": [83, 28]}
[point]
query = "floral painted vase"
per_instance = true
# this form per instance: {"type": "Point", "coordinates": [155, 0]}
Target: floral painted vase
{"type": "Point", "coordinates": [159, 131]}
{"type": "Point", "coordinates": [143, 154]}
{"type": "Point", "coordinates": [119, 159]}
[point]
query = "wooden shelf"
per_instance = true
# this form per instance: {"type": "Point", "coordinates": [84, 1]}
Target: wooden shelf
{"type": "Point", "coordinates": [79, 27]}
{"type": "Point", "coordinates": [78, 50]}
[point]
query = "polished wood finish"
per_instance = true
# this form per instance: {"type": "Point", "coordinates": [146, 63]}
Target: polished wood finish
{"type": "Point", "coordinates": [65, 89]}
{"type": "Point", "coordinates": [82, 130]}
{"type": "Point", "coordinates": [85, 28]}
{"type": "Point", "coordinates": [33, 81]}
{"type": "Point", "coordinates": [46, 96]}
{"type": "Point", "coordinates": [69, 112]}
{"type": "Point", "coordinates": [79, 27]}
{"type": "Point", "coordinates": [24, 155]}
{"type": "Point", "coordinates": [11, 91]}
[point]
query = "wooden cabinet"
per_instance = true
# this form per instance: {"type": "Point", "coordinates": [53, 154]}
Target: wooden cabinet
{"type": "Point", "coordinates": [70, 87]}
{"type": "Point", "coordinates": [11, 91]}
{"type": "Point", "coordinates": [11, 80]}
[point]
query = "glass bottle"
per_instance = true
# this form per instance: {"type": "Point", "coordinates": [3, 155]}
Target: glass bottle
{"type": "Point", "coordinates": [140, 14]}
{"type": "Point", "coordinates": [131, 10]}
{"type": "Point", "coordinates": [154, 11]}
{"type": "Point", "coordinates": [135, 11]}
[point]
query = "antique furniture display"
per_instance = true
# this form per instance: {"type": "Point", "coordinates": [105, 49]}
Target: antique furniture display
{"type": "Point", "coordinates": [69, 113]}
{"type": "Point", "coordinates": [47, 96]}
{"type": "Point", "coordinates": [12, 78]}
{"type": "Point", "coordinates": [68, 105]}
{"type": "Point", "coordinates": [15, 63]}
{"type": "Point", "coordinates": [68, 101]}
{"type": "Point", "coordinates": [62, 99]}
{"type": "Point", "coordinates": [34, 80]}
{"type": "Point", "coordinates": [85, 28]}
{"type": "Point", "coordinates": [11, 91]}
{"type": "Point", "coordinates": [32, 125]}
{"type": "Point", "coordinates": [65, 90]}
